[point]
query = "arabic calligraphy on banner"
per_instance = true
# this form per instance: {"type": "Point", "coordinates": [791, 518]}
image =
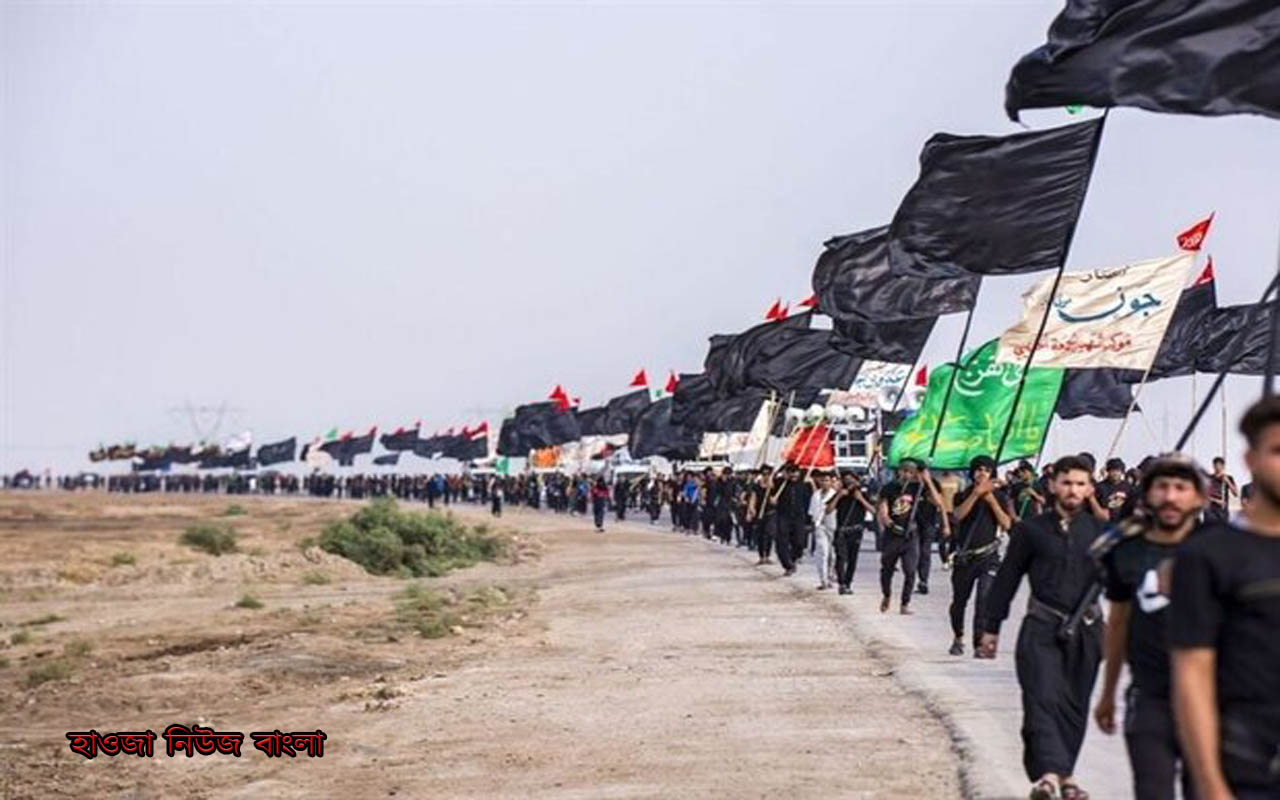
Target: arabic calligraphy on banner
{"type": "Point", "coordinates": [869, 387]}
{"type": "Point", "coordinates": [1100, 318]}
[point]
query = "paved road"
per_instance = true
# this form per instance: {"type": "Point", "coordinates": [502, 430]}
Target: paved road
{"type": "Point", "coordinates": [977, 700]}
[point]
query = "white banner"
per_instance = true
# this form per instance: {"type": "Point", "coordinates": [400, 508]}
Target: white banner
{"type": "Point", "coordinates": [877, 381]}
{"type": "Point", "coordinates": [1100, 318]}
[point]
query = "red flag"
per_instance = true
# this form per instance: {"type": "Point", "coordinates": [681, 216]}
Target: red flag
{"type": "Point", "coordinates": [640, 379]}
{"type": "Point", "coordinates": [809, 302]}
{"type": "Point", "coordinates": [483, 427]}
{"type": "Point", "coordinates": [775, 312]}
{"type": "Point", "coordinates": [782, 312]}
{"type": "Point", "coordinates": [672, 383]}
{"type": "Point", "coordinates": [1192, 238]}
{"type": "Point", "coordinates": [812, 447]}
{"type": "Point", "coordinates": [557, 393]}
{"type": "Point", "coordinates": [1206, 275]}
{"type": "Point", "coordinates": [922, 377]}
{"type": "Point", "coordinates": [562, 402]}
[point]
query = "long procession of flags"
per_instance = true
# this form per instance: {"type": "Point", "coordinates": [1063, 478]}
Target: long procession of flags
{"type": "Point", "coordinates": [982, 206]}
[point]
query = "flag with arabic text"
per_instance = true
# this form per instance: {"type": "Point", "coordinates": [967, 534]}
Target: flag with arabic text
{"type": "Point", "coordinates": [977, 412]}
{"type": "Point", "coordinates": [1100, 318]}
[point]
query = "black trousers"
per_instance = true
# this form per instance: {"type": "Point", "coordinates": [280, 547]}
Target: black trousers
{"type": "Point", "coordinates": [968, 575]}
{"type": "Point", "coordinates": [800, 538]}
{"type": "Point", "coordinates": [848, 543]}
{"type": "Point", "coordinates": [1154, 753]}
{"type": "Point", "coordinates": [598, 509]}
{"type": "Point", "coordinates": [899, 548]}
{"type": "Point", "coordinates": [655, 510]}
{"type": "Point", "coordinates": [926, 555]}
{"type": "Point", "coordinates": [1056, 678]}
{"type": "Point", "coordinates": [784, 537]}
{"type": "Point", "coordinates": [764, 529]}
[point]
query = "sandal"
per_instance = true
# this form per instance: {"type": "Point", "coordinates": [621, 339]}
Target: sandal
{"type": "Point", "coordinates": [1045, 789]}
{"type": "Point", "coordinates": [1072, 791]}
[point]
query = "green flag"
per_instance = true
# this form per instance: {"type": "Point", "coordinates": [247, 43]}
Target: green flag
{"type": "Point", "coordinates": [502, 466]}
{"type": "Point", "coordinates": [331, 435]}
{"type": "Point", "coordinates": [977, 412]}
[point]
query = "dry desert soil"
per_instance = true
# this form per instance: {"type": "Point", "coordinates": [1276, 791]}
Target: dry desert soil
{"type": "Point", "coordinates": [635, 663]}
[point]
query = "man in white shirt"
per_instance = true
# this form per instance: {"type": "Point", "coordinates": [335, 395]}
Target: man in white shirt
{"type": "Point", "coordinates": [822, 512]}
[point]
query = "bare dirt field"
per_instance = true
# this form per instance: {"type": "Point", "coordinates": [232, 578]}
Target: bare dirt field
{"type": "Point", "coordinates": [636, 663]}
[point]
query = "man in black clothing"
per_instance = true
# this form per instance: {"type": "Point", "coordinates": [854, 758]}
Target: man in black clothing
{"type": "Point", "coordinates": [1136, 560]}
{"type": "Point", "coordinates": [852, 506]}
{"type": "Point", "coordinates": [982, 512]}
{"type": "Point", "coordinates": [1114, 498]}
{"type": "Point", "coordinates": [621, 496]}
{"type": "Point", "coordinates": [1221, 489]}
{"type": "Point", "coordinates": [790, 505]}
{"type": "Point", "coordinates": [1057, 662]}
{"type": "Point", "coordinates": [897, 512]}
{"type": "Point", "coordinates": [1224, 631]}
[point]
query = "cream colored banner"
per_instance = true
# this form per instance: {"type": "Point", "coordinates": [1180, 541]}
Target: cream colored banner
{"type": "Point", "coordinates": [1100, 318]}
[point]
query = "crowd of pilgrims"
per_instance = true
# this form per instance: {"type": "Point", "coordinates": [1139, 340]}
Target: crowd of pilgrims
{"type": "Point", "coordinates": [1203, 705]}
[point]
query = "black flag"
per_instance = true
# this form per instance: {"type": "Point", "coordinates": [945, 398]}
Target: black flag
{"type": "Point", "coordinates": [728, 358]}
{"type": "Point", "coordinates": [1237, 339]}
{"type": "Point", "coordinates": [1207, 57]}
{"type": "Point", "coordinates": [853, 282]}
{"type": "Point", "coordinates": [898, 341]}
{"type": "Point", "coordinates": [537, 425]}
{"type": "Point", "coordinates": [269, 454]}
{"type": "Point", "coordinates": [994, 205]}
{"type": "Point", "coordinates": [591, 420]}
{"type": "Point", "coordinates": [807, 362]}
{"type": "Point", "coordinates": [623, 411]}
{"type": "Point", "coordinates": [400, 439]}
{"type": "Point", "coordinates": [654, 435]}
{"type": "Point", "coordinates": [735, 414]}
{"type": "Point", "coordinates": [387, 460]}
{"type": "Point", "coordinates": [693, 396]}
{"type": "Point", "coordinates": [1094, 393]}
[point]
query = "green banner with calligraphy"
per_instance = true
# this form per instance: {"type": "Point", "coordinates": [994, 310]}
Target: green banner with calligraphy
{"type": "Point", "coordinates": [980, 403]}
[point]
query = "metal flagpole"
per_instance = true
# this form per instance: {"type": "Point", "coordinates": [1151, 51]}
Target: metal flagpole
{"type": "Point", "coordinates": [1115, 443]}
{"type": "Point", "coordinates": [1231, 362]}
{"type": "Point", "coordinates": [1048, 305]}
{"type": "Point", "coordinates": [1193, 408]}
{"type": "Point", "coordinates": [1222, 396]}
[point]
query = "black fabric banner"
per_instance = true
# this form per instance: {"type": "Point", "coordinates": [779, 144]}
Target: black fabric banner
{"type": "Point", "coordinates": [591, 420]}
{"type": "Point", "coordinates": [654, 435]}
{"type": "Point", "coordinates": [509, 443]}
{"type": "Point", "coordinates": [1207, 57]}
{"type": "Point", "coordinates": [537, 425]}
{"type": "Point", "coordinates": [390, 459]}
{"type": "Point", "coordinates": [694, 395]}
{"type": "Point", "coordinates": [1094, 393]}
{"type": "Point", "coordinates": [729, 356]}
{"type": "Point", "coordinates": [994, 205]}
{"type": "Point", "coordinates": [401, 439]}
{"type": "Point", "coordinates": [899, 341]}
{"type": "Point", "coordinates": [1236, 338]}
{"type": "Point", "coordinates": [279, 452]}
{"type": "Point", "coordinates": [853, 282]}
{"type": "Point", "coordinates": [623, 411]}
{"type": "Point", "coordinates": [807, 362]}
{"type": "Point", "coordinates": [734, 414]}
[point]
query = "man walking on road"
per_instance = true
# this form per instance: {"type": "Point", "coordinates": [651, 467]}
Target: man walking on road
{"type": "Point", "coordinates": [822, 512]}
{"type": "Point", "coordinates": [1060, 643]}
{"type": "Point", "coordinates": [982, 512]}
{"type": "Point", "coordinates": [852, 507]}
{"type": "Point", "coordinates": [898, 518]}
{"type": "Point", "coordinates": [1137, 559]}
{"type": "Point", "coordinates": [1224, 616]}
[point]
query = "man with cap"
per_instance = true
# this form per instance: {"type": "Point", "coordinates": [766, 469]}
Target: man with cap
{"type": "Point", "coordinates": [898, 514]}
{"type": "Point", "coordinates": [1060, 643]}
{"type": "Point", "coordinates": [852, 507]}
{"type": "Point", "coordinates": [1137, 560]}
{"type": "Point", "coordinates": [982, 512]}
{"type": "Point", "coordinates": [1114, 498]}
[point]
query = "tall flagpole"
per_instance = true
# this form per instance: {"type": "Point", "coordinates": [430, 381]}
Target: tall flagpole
{"type": "Point", "coordinates": [1053, 291]}
{"type": "Point", "coordinates": [1193, 408]}
{"type": "Point", "coordinates": [1268, 382]}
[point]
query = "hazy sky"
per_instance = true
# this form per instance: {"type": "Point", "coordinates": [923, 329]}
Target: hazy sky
{"type": "Point", "coordinates": [347, 214]}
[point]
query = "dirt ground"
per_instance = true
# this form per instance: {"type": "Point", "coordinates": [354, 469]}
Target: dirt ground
{"type": "Point", "coordinates": [638, 663]}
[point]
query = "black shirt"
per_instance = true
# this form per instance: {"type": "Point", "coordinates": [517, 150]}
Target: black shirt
{"type": "Point", "coordinates": [849, 512]}
{"type": "Point", "coordinates": [1057, 564]}
{"type": "Point", "coordinates": [900, 498]}
{"type": "Point", "coordinates": [1226, 595]}
{"type": "Point", "coordinates": [1138, 571]}
{"type": "Point", "coordinates": [793, 502]}
{"type": "Point", "coordinates": [979, 529]}
{"type": "Point", "coordinates": [1117, 497]}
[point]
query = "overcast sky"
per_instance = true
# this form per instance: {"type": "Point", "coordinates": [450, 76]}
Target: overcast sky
{"type": "Point", "coordinates": [348, 214]}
